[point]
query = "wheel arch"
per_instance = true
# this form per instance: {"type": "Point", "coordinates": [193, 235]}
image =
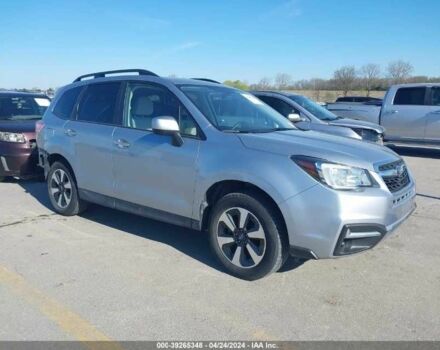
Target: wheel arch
{"type": "Point", "coordinates": [56, 157]}
{"type": "Point", "coordinates": [224, 187]}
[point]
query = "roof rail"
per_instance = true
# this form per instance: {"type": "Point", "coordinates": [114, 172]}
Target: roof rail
{"type": "Point", "coordinates": [208, 80]}
{"type": "Point", "coordinates": [103, 74]}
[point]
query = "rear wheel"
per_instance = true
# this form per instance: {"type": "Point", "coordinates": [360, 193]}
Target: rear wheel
{"type": "Point", "coordinates": [63, 192]}
{"type": "Point", "coordinates": [247, 235]}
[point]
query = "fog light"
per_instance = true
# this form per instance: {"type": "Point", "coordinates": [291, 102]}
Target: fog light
{"type": "Point", "coordinates": [356, 238]}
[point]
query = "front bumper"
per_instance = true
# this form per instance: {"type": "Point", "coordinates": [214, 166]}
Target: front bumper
{"type": "Point", "coordinates": [324, 223]}
{"type": "Point", "coordinates": [18, 161]}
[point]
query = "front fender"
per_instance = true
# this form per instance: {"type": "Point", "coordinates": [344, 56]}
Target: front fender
{"type": "Point", "coordinates": [275, 174]}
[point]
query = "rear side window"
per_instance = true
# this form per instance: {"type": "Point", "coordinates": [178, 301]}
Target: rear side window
{"type": "Point", "coordinates": [98, 103]}
{"type": "Point", "coordinates": [410, 96]}
{"type": "Point", "coordinates": [435, 96]}
{"type": "Point", "coordinates": [63, 108]}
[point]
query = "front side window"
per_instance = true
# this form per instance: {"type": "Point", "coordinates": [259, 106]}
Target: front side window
{"type": "Point", "coordinates": [232, 110]}
{"type": "Point", "coordinates": [22, 107]}
{"type": "Point", "coordinates": [410, 96]}
{"type": "Point", "coordinates": [144, 102]}
{"type": "Point", "coordinates": [435, 96]}
{"type": "Point", "coordinates": [314, 108]}
{"type": "Point", "coordinates": [98, 103]}
{"type": "Point", "coordinates": [63, 108]}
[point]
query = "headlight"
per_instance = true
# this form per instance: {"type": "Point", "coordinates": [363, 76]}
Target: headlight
{"type": "Point", "coordinates": [12, 137]}
{"type": "Point", "coordinates": [336, 176]}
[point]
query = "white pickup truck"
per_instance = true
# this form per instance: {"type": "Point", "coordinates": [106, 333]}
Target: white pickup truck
{"type": "Point", "coordinates": [410, 114]}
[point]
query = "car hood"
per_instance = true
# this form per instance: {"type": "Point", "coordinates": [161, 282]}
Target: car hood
{"type": "Point", "coordinates": [22, 126]}
{"type": "Point", "coordinates": [320, 145]}
{"type": "Point", "coordinates": [352, 123]}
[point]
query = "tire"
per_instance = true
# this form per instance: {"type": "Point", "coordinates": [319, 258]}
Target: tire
{"type": "Point", "coordinates": [258, 246]}
{"type": "Point", "coordinates": [63, 192]}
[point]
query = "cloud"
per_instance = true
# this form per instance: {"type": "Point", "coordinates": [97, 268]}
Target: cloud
{"type": "Point", "coordinates": [137, 21]}
{"type": "Point", "coordinates": [177, 48]}
{"type": "Point", "coordinates": [287, 9]}
{"type": "Point", "coordinates": [186, 46]}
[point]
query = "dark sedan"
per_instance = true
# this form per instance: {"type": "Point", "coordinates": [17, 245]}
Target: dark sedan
{"type": "Point", "coordinates": [19, 113]}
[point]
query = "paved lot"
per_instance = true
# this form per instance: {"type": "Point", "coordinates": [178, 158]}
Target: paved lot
{"type": "Point", "coordinates": [111, 275]}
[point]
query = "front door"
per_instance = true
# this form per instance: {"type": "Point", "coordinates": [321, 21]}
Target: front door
{"type": "Point", "coordinates": [405, 118]}
{"type": "Point", "coordinates": [149, 171]}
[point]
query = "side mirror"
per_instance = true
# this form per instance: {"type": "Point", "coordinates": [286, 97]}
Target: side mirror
{"type": "Point", "coordinates": [167, 126]}
{"type": "Point", "coordinates": [294, 117]}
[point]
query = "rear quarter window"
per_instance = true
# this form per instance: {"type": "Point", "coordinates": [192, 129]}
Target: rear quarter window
{"type": "Point", "coordinates": [64, 106]}
{"type": "Point", "coordinates": [410, 96]}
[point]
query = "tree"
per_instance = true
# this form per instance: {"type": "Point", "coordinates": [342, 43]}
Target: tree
{"type": "Point", "coordinates": [264, 84]}
{"type": "Point", "coordinates": [370, 76]}
{"type": "Point", "coordinates": [317, 86]}
{"type": "Point", "coordinates": [399, 71]}
{"type": "Point", "coordinates": [283, 81]}
{"type": "Point", "coordinates": [344, 78]}
{"type": "Point", "coordinates": [238, 84]}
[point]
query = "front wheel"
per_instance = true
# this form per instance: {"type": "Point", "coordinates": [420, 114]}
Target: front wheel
{"type": "Point", "coordinates": [247, 235]}
{"type": "Point", "coordinates": [63, 193]}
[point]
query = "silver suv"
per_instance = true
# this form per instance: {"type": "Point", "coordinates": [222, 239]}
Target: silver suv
{"type": "Point", "coordinates": [209, 157]}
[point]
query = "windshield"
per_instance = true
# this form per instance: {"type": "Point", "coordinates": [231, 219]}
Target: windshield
{"type": "Point", "coordinates": [231, 110]}
{"type": "Point", "coordinates": [22, 107]}
{"type": "Point", "coordinates": [314, 108]}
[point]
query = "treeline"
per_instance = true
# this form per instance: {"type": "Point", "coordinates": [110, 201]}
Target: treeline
{"type": "Point", "coordinates": [369, 77]}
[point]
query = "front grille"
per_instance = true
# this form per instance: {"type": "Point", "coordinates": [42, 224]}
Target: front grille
{"type": "Point", "coordinates": [395, 175]}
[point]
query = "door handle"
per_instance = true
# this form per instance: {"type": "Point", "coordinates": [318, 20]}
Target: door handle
{"type": "Point", "coordinates": [70, 132]}
{"type": "Point", "coordinates": [394, 111]}
{"type": "Point", "coordinates": [122, 143]}
{"type": "Point", "coordinates": [437, 112]}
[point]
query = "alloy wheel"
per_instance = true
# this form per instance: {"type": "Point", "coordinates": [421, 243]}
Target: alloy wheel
{"type": "Point", "coordinates": [241, 237]}
{"type": "Point", "coordinates": [61, 188]}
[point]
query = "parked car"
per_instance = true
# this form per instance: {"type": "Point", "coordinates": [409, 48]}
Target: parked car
{"type": "Point", "coordinates": [19, 112]}
{"type": "Point", "coordinates": [410, 113]}
{"type": "Point", "coordinates": [308, 115]}
{"type": "Point", "coordinates": [210, 157]}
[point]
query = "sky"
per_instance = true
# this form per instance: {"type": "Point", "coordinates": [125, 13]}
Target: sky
{"type": "Point", "coordinates": [49, 43]}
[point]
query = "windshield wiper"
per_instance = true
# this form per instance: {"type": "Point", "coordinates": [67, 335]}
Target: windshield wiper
{"type": "Point", "coordinates": [233, 131]}
{"type": "Point", "coordinates": [273, 130]}
{"type": "Point", "coordinates": [256, 131]}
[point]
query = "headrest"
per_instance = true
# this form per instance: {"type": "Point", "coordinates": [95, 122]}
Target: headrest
{"type": "Point", "coordinates": [142, 106]}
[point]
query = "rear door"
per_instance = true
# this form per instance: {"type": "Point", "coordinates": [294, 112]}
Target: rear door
{"type": "Point", "coordinates": [432, 133]}
{"type": "Point", "coordinates": [91, 132]}
{"type": "Point", "coordinates": [405, 117]}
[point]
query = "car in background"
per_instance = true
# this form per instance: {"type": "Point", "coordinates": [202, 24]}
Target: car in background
{"type": "Point", "coordinates": [210, 157]}
{"type": "Point", "coordinates": [410, 114]}
{"type": "Point", "coordinates": [308, 115]}
{"type": "Point", "coordinates": [19, 113]}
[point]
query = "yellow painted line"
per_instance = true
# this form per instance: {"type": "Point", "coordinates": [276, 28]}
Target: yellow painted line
{"type": "Point", "coordinates": [70, 322]}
